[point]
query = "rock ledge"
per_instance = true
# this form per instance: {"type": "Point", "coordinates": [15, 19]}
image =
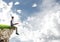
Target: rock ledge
{"type": "Point", "coordinates": [5, 34]}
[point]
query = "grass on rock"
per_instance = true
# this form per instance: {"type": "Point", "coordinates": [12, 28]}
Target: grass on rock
{"type": "Point", "coordinates": [4, 26]}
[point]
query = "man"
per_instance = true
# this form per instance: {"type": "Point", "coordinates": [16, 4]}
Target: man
{"type": "Point", "coordinates": [12, 24]}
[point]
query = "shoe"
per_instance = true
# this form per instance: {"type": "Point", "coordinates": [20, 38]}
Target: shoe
{"type": "Point", "coordinates": [17, 33]}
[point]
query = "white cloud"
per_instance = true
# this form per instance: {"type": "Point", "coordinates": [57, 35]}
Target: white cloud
{"type": "Point", "coordinates": [19, 11]}
{"type": "Point", "coordinates": [17, 3]}
{"type": "Point", "coordinates": [43, 26]}
{"type": "Point", "coordinates": [55, 40]}
{"type": "Point", "coordinates": [34, 5]}
{"type": "Point", "coordinates": [5, 12]}
{"type": "Point", "coordinates": [10, 4]}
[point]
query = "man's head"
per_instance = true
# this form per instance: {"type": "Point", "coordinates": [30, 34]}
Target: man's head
{"type": "Point", "coordinates": [12, 17]}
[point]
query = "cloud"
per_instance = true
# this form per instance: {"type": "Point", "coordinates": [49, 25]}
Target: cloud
{"type": "Point", "coordinates": [10, 4]}
{"type": "Point", "coordinates": [56, 41]}
{"type": "Point", "coordinates": [19, 11]}
{"type": "Point", "coordinates": [43, 25]}
{"type": "Point", "coordinates": [34, 5]}
{"type": "Point", "coordinates": [15, 39]}
{"type": "Point", "coordinates": [6, 12]}
{"type": "Point", "coordinates": [17, 3]}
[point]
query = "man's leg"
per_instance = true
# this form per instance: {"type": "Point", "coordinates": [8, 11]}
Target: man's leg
{"type": "Point", "coordinates": [17, 31]}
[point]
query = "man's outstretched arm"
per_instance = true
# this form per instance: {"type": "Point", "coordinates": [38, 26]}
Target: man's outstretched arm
{"type": "Point", "coordinates": [15, 23]}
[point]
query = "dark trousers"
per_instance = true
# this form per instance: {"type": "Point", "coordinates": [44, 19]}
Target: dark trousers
{"type": "Point", "coordinates": [15, 28]}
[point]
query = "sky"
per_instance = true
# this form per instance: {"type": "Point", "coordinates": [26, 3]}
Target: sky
{"type": "Point", "coordinates": [39, 20]}
{"type": "Point", "coordinates": [25, 6]}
